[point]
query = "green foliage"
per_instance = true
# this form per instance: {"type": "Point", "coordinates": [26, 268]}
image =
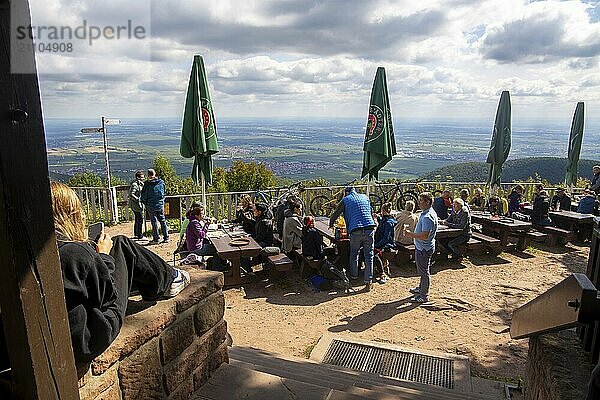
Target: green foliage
{"type": "Point", "coordinates": [174, 183]}
{"type": "Point", "coordinates": [318, 182]}
{"type": "Point", "coordinates": [219, 185]}
{"type": "Point", "coordinates": [85, 179]}
{"type": "Point", "coordinates": [116, 181]}
{"type": "Point", "coordinates": [244, 176]}
{"type": "Point", "coordinates": [548, 170]}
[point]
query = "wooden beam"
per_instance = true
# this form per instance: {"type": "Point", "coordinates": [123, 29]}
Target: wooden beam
{"type": "Point", "coordinates": [31, 294]}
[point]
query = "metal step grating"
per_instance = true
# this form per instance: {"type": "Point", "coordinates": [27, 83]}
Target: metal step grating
{"type": "Point", "coordinates": [391, 363]}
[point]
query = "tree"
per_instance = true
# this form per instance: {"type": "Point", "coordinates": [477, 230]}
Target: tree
{"type": "Point", "coordinates": [244, 176]}
{"type": "Point", "coordinates": [85, 179]}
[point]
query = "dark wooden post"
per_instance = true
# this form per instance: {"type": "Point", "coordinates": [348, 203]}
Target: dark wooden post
{"type": "Point", "coordinates": [31, 292]}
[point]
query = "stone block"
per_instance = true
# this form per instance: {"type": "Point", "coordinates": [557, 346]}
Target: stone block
{"type": "Point", "coordinates": [205, 371]}
{"type": "Point", "coordinates": [140, 374]}
{"type": "Point", "coordinates": [202, 284]}
{"type": "Point", "coordinates": [137, 329]}
{"type": "Point", "coordinates": [112, 393]}
{"type": "Point", "coordinates": [209, 312]}
{"type": "Point", "coordinates": [97, 385]}
{"type": "Point", "coordinates": [184, 390]}
{"type": "Point", "coordinates": [177, 337]}
{"type": "Point", "coordinates": [193, 356]}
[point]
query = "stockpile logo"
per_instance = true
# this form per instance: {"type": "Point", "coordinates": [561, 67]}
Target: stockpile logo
{"type": "Point", "coordinates": [87, 43]}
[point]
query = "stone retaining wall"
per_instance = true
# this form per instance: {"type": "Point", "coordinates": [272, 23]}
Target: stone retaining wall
{"type": "Point", "coordinates": [165, 350]}
{"type": "Point", "coordinates": [557, 368]}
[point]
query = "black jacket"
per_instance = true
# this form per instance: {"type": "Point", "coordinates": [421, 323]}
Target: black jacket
{"type": "Point", "coordinates": [245, 217]}
{"type": "Point", "coordinates": [90, 295]}
{"type": "Point", "coordinates": [541, 206]}
{"type": "Point", "coordinates": [312, 244]}
{"type": "Point", "coordinates": [263, 230]}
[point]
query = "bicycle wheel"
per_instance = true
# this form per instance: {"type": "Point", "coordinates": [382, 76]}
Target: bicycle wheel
{"type": "Point", "coordinates": [407, 196]}
{"type": "Point", "coordinates": [376, 202]}
{"type": "Point", "coordinates": [321, 206]}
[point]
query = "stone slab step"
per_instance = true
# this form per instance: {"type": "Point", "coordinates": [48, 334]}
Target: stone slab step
{"type": "Point", "coordinates": [233, 382]}
{"type": "Point", "coordinates": [339, 378]}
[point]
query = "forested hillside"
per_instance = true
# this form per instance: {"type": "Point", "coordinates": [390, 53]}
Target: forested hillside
{"type": "Point", "coordinates": [547, 168]}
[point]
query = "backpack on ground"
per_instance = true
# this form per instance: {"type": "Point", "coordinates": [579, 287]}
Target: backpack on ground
{"type": "Point", "coordinates": [337, 277]}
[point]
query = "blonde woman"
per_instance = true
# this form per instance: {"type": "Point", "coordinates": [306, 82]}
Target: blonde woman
{"type": "Point", "coordinates": [98, 277]}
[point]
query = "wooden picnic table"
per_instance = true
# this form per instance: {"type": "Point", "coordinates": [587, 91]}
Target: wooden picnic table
{"type": "Point", "coordinates": [445, 232]}
{"type": "Point", "coordinates": [343, 245]}
{"type": "Point", "coordinates": [504, 226]}
{"type": "Point", "coordinates": [233, 253]}
{"type": "Point", "coordinates": [570, 220]}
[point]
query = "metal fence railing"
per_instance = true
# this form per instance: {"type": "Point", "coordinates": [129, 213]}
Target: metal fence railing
{"type": "Point", "coordinates": [99, 204]}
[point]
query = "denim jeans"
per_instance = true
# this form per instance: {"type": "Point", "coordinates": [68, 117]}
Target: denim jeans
{"type": "Point", "coordinates": [157, 216]}
{"type": "Point", "coordinates": [423, 261]}
{"type": "Point", "coordinates": [137, 226]}
{"type": "Point", "coordinates": [451, 244]}
{"type": "Point", "coordinates": [364, 238]}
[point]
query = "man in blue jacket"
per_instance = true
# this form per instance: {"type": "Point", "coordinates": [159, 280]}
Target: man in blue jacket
{"type": "Point", "coordinates": [360, 225]}
{"type": "Point", "coordinates": [153, 197]}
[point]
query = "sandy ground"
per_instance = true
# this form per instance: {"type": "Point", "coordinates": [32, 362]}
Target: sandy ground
{"type": "Point", "coordinates": [472, 303]}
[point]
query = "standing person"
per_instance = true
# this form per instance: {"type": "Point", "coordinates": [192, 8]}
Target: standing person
{"type": "Point", "coordinates": [459, 219]}
{"type": "Point", "coordinates": [595, 186]}
{"type": "Point", "coordinates": [98, 277]}
{"type": "Point", "coordinates": [424, 238]}
{"type": "Point", "coordinates": [515, 198]}
{"type": "Point", "coordinates": [384, 234]}
{"type": "Point", "coordinates": [135, 203]}
{"type": "Point", "coordinates": [441, 204]}
{"type": "Point", "coordinates": [405, 217]}
{"type": "Point", "coordinates": [360, 225]}
{"type": "Point", "coordinates": [536, 191]}
{"type": "Point", "coordinates": [153, 197]}
{"type": "Point", "coordinates": [561, 200]}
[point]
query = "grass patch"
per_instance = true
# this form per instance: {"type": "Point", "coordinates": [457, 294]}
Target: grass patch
{"type": "Point", "coordinates": [306, 352]}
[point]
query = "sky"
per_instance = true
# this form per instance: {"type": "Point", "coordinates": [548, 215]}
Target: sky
{"type": "Point", "coordinates": [317, 58]}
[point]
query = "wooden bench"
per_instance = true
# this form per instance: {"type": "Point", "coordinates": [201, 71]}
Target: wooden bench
{"type": "Point", "coordinates": [405, 253]}
{"type": "Point", "coordinates": [492, 244]}
{"type": "Point", "coordinates": [473, 246]}
{"type": "Point", "coordinates": [557, 236]}
{"type": "Point", "coordinates": [525, 238]}
{"type": "Point", "coordinates": [307, 264]}
{"type": "Point", "coordinates": [280, 263]}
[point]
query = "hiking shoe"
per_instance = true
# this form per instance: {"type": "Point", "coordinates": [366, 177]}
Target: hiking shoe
{"type": "Point", "coordinates": [419, 299]}
{"type": "Point", "coordinates": [152, 242]}
{"type": "Point", "coordinates": [181, 279]}
{"type": "Point", "coordinates": [368, 286]}
{"type": "Point", "coordinates": [415, 290]}
{"type": "Point", "coordinates": [382, 279]}
{"type": "Point", "coordinates": [166, 240]}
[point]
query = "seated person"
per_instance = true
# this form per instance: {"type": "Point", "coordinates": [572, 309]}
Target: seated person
{"type": "Point", "coordinates": [280, 213]}
{"type": "Point", "coordinates": [244, 214]}
{"type": "Point", "coordinates": [195, 234]}
{"type": "Point", "coordinates": [541, 206]}
{"type": "Point", "coordinates": [441, 204]}
{"type": "Point", "coordinates": [459, 219]}
{"type": "Point", "coordinates": [98, 277]}
{"type": "Point", "coordinates": [464, 195]}
{"type": "Point", "coordinates": [263, 232]}
{"type": "Point", "coordinates": [515, 198]}
{"type": "Point", "coordinates": [477, 203]}
{"type": "Point", "coordinates": [588, 203]}
{"type": "Point", "coordinates": [536, 191]}
{"type": "Point", "coordinates": [561, 199]}
{"type": "Point", "coordinates": [292, 228]}
{"type": "Point", "coordinates": [312, 241]}
{"type": "Point", "coordinates": [494, 206]}
{"type": "Point", "coordinates": [384, 234]}
{"type": "Point", "coordinates": [405, 217]}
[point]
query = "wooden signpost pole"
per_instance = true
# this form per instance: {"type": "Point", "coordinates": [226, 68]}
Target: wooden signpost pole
{"type": "Point", "coordinates": [31, 293]}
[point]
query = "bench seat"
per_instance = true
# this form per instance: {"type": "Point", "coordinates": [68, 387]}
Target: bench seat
{"type": "Point", "coordinates": [557, 236]}
{"type": "Point", "coordinates": [280, 262]}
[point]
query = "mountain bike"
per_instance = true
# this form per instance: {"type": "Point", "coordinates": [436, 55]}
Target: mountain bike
{"type": "Point", "coordinates": [273, 201]}
{"type": "Point", "coordinates": [394, 194]}
{"type": "Point", "coordinates": [324, 206]}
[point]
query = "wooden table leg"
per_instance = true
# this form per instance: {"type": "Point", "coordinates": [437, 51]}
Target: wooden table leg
{"type": "Point", "coordinates": [233, 277]}
{"type": "Point", "coordinates": [504, 237]}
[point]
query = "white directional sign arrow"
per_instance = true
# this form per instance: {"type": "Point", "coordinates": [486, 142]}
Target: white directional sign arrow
{"type": "Point", "coordinates": [112, 121]}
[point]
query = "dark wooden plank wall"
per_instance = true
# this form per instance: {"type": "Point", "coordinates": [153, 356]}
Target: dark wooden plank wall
{"type": "Point", "coordinates": [31, 292]}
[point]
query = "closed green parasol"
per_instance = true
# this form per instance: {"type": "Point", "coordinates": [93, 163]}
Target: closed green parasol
{"type": "Point", "coordinates": [575, 139]}
{"type": "Point", "coordinates": [501, 141]}
{"type": "Point", "coordinates": [380, 145]}
{"type": "Point", "coordinates": [199, 131]}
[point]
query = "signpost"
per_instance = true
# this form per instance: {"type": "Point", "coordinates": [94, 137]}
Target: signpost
{"type": "Point", "coordinates": [113, 192]}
